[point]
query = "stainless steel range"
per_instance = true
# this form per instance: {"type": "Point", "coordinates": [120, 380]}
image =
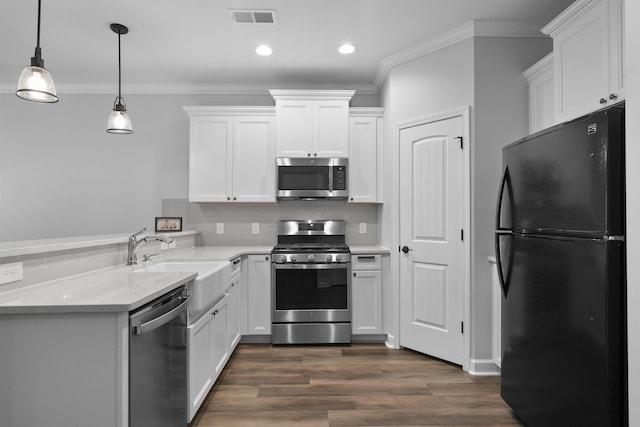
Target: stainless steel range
{"type": "Point", "coordinates": [311, 284]}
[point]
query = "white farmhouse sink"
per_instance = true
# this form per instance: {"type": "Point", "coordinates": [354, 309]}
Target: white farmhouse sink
{"type": "Point", "coordinates": [213, 278]}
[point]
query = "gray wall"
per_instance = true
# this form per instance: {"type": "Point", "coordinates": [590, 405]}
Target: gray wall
{"type": "Point", "coordinates": [439, 81]}
{"type": "Point", "coordinates": [62, 175]}
{"type": "Point", "coordinates": [484, 73]}
{"type": "Point", "coordinates": [632, 81]}
{"type": "Point", "coordinates": [500, 116]}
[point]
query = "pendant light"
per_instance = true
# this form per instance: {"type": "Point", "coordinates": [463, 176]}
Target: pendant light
{"type": "Point", "coordinates": [35, 82]}
{"type": "Point", "coordinates": [119, 121]}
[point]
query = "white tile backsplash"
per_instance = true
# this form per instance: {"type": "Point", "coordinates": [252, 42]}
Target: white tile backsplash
{"type": "Point", "coordinates": [238, 219]}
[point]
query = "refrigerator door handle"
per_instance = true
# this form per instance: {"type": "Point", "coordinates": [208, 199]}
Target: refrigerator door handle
{"type": "Point", "coordinates": [505, 182]}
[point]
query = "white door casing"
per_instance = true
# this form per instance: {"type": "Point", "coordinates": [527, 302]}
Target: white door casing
{"type": "Point", "coordinates": [432, 205]}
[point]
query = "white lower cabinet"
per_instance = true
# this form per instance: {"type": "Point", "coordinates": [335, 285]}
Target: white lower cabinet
{"type": "Point", "coordinates": [208, 343]}
{"type": "Point", "coordinates": [234, 313]}
{"type": "Point", "coordinates": [366, 291]}
{"type": "Point", "coordinates": [200, 362]}
{"type": "Point", "coordinates": [219, 335]}
{"type": "Point", "coordinates": [259, 294]}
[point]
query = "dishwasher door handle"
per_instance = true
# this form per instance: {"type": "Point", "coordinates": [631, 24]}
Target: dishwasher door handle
{"type": "Point", "coordinates": [152, 324]}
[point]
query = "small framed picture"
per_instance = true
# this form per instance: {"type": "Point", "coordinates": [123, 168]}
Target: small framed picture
{"type": "Point", "coordinates": [168, 223]}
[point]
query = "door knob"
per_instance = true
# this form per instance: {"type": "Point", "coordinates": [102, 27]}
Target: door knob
{"type": "Point", "coordinates": [406, 249]}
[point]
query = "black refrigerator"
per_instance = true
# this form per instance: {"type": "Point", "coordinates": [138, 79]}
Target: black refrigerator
{"type": "Point", "coordinates": [560, 251]}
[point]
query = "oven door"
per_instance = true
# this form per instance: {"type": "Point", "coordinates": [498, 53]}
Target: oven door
{"type": "Point", "coordinates": [311, 293]}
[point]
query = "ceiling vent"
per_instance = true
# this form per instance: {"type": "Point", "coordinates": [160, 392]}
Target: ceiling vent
{"type": "Point", "coordinates": [254, 16]}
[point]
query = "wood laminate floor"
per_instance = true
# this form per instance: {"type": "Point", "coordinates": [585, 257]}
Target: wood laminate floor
{"type": "Point", "coordinates": [357, 385]}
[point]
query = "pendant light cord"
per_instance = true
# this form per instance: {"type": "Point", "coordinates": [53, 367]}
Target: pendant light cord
{"type": "Point", "coordinates": [119, 71]}
{"type": "Point", "coordinates": [38, 37]}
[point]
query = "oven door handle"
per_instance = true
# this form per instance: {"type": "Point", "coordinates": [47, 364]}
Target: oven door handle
{"type": "Point", "coordinates": [311, 266]}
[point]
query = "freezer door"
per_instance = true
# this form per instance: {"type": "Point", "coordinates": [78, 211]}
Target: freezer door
{"type": "Point", "coordinates": [569, 179]}
{"type": "Point", "coordinates": [563, 333]}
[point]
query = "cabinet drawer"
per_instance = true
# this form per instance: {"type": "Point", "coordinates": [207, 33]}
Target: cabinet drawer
{"type": "Point", "coordinates": [366, 262]}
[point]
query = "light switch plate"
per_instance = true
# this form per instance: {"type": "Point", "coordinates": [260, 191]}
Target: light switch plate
{"type": "Point", "coordinates": [363, 227]}
{"type": "Point", "coordinates": [220, 228]}
{"type": "Point", "coordinates": [10, 272]}
{"type": "Point", "coordinates": [255, 228]}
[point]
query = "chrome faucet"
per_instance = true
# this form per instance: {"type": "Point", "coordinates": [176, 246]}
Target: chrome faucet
{"type": "Point", "coordinates": [134, 244]}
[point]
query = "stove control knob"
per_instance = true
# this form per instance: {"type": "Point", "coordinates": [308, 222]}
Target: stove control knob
{"type": "Point", "coordinates": [311, 257]}
{"type": "Point", "coordinates": [293, 258]}
{"type": "Point", "coordinates": [328, 258]}
{"type": "Point", "coordinates": [338, 258]}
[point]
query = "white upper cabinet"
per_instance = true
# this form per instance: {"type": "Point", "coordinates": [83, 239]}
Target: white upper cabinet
{"type": "Point", "coordinates": [231, 154]}
{"type": "Point", "coordinates": [541, 100]}
{"type": "Point", "coordinates": [587, 57]}
{"type": "Point", "coordinates": [365, 132]}
{"type": "Point", "coordinates": [312, 123]}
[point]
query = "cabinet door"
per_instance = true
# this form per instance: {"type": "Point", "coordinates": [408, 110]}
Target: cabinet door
{"type": "Point", "coordinates": [210, 159]}
{"type": "Point", "coordinates": [200, 362]}
{"type": "Point", "coordinates": [367, 302]}
{"type": "Point", "coordinates": [219, 337]}
{"type": "Point", "coordinates": [234, 314]}
{"type": "Point", "coordinates": [363, 159]}
{"type": "Point", "coordinates": [581, 64]}
{"type": "Point", "coordinates": [254, 161]}
{"type": "Point", "coordinates": [259, 294]}
{"type": "Point", "coordinates": [331, 129]}
{"type": "Point", "coordinates": [294, 124]}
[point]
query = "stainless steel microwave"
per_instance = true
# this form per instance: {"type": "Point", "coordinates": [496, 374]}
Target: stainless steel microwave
{"type": "Point", "coordinates": [311, 178]}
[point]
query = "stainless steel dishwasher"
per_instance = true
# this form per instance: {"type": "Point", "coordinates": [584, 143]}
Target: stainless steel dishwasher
{"type": "Point", "coordinates": [158, 362]}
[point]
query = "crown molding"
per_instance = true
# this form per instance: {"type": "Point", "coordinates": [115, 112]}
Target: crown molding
{"type": "Point", "coordinates": [569, 15]}
{"type": "Point", "coordinates": [540, 67]}
{"type": "Point", "coordinates": [476, 28]}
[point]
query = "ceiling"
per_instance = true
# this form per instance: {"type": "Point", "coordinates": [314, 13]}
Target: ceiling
{"type": "Point", "coordinates": [194, 45]}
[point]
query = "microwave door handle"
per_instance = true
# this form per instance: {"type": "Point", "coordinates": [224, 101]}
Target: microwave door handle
{"type": "Point", "coordinates": [331, 179]}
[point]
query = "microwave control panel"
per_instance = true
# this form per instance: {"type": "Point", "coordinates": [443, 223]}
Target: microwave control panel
{"type": "Point", "coordinates": [339, 177]}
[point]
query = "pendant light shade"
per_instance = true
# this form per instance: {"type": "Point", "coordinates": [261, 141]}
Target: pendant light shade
{"type": "Point", "coordinates": [119, 121]}
{"type": "Point", "coordinates": [35, 82]}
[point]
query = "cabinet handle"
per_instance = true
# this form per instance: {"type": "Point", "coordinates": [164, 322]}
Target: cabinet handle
{"type": "Point", "coordinates": [234, 198]}
{"type": "Point", "coordinates": [354, 274]}
{"type": "Point", "coordinates": [351, 199]}
{"type": "Point", "coordinates": [215, 313]}
{"type": "Point", "coordinates": [366, 257]}
{"type": "Point", "coordinates": [266, 258]}
{"type": "Point", "coordinates": [228, 198]}
{"type": "Point", "coordinates": [603, 101]}
{"type": "Point", "coordinates": [613, 96]}
{"type": "Point", "coordinates": [308, 154]}
{"type": "Point", "coordinates": [315, 154]}
{"type": "Point", "coordinates": [236, 261]}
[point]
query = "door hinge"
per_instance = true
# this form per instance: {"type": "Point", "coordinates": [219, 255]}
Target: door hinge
{"type": "Point", "coordinates": [462, 327]}
{"type": "Point", "coordinates": [461, 141]}
{"type": "Point", "coordinates": [462, 234]}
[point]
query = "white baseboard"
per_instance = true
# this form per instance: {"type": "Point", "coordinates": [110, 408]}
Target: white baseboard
{"type": "Point", "coordinates": [483, 367]}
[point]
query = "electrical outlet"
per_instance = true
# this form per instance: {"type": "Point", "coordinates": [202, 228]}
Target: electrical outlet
{"type": "Point", "coordinates": [10, 272]}
{"type": "Point", "coordinates": [220, 228]}
{"type": "Point", "coordinates": [255, 228]}
{"type": "Point", "coordinates": [363, 228]}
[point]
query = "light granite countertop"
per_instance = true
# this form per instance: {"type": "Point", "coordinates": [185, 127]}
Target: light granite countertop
{"type": "Point", "coordinates": [112, 290]}
{"type": "Point", "coordinates": [119, 288]}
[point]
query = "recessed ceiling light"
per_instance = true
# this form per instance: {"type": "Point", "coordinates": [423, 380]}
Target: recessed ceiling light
{"type": "Point", "coordinates": [347, 49]}
{"type": "Point", "coordinates": [264, 50]}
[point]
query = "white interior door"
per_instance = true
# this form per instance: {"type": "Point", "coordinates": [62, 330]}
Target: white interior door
{"type": "Point", "coordinates": [431, 223]}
